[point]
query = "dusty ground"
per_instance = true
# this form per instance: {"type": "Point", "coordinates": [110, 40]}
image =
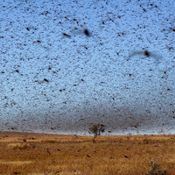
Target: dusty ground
{"type": "Point", "coordinates": [39, 154]}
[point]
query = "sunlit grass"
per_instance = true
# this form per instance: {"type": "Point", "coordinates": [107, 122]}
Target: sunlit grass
{"type": "Point", "coordinates": [65, 155]}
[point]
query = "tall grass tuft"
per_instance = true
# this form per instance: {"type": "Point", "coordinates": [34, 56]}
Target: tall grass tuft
{"type": "Point", "coordinates": [155, 169]}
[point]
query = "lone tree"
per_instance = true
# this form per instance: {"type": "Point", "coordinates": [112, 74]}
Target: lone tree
{"type": "Point", "coordinates": [97, 129]}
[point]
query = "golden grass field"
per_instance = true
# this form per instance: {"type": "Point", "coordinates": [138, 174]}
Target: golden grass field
{"type": "Point", "coordinates": [41, 154]}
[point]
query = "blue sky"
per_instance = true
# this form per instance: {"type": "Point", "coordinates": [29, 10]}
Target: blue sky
{"type": "Point", "coordinates": [56, 78]}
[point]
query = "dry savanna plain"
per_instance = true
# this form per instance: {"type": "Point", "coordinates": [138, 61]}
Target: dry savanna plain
{"type": "Point", "coordinates": [44, 154]}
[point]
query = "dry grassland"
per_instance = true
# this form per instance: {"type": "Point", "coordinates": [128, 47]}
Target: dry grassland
{"type": "Point", "coordinates": [40, 154]}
